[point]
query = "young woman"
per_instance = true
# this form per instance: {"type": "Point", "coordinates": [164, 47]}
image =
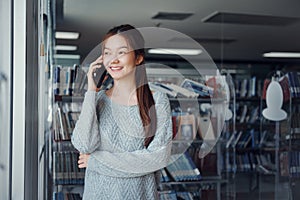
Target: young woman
{"type": "Point", "coordinates": [124, 133]}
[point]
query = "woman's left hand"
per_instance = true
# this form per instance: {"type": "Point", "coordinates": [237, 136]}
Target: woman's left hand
{"type": "Point", "coordinates": [83, 160]}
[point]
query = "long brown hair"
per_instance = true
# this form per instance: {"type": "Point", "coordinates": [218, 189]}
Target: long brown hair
{"type": "Point", "coordinates": [145, 99]}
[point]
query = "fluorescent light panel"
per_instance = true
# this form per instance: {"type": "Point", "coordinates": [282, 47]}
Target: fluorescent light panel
{"type": "Point", "coordinates": [191, 52]}
{"type": "Point", "coordinates": [66, 35]}
{"type": "Point", "coordinates": [66, 56]}
{"type": "Point", "coordinates": [282, 55]}
{"type": "Point", "coordinates": [66, 47]}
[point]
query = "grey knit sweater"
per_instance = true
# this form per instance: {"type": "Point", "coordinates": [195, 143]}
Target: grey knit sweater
{"type": "Point", "coordinates": [120, 167]}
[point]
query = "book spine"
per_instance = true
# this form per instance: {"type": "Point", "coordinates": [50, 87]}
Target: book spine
{"type": "Point", "coordinates": [56, 80]}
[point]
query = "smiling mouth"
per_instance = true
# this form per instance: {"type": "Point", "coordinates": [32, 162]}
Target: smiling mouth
{"type": "Point", "coordinates": [116, 68]}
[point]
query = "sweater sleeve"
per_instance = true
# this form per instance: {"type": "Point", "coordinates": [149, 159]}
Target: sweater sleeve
{"type": "Point", "coordinates": [85, 136]}
{"type": "Point", "coordinates": [144, 161]}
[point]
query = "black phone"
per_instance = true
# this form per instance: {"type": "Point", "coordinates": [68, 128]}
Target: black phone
{"type": "Point", "coordinates": [99, 76]}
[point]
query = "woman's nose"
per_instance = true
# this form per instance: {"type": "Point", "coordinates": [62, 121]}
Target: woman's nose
{"type": "Point", "coordinates": [114, 60]}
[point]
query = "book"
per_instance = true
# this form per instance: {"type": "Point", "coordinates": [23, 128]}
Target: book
{"type": "Point", "coordinates": [244, 88]}
{"type": "Point", "coordinates": [154, 86]}
{"type": "Point", "coordinates": [186, 127]}
{"type": "Point", "coordinates": [164, 175]}
{"type": "Point", "coordinates": [182, 168]}
{"type": "Point", "coordinates": [184, 195]}
{"type": "Point", "coordinates": [244, 140]}
{"type": "Point", "coordinates": [56, 80]}
{"type": "Point", "coordinates": [284, 163]}
{"type": "Point", "coordinates": [199, 88]}
{"type": "Point", "coordinates": [294, 84]}
{"type": "Point", "coordinates": [254, 138]}
{"type": "Point", "coordinates": [205, 128]}
{"type": "Point", "coordinates": [60, 168]}
{"type": "Point", "coordinates": [167, 195]}
{"type": "Point", "coordinates": [252, 87]}
{"type": "Point", "coordinates": [237, 138]}
{"type": "Point", "coordinates": [284, 83]}
{"type": "Point", "coordinates": [182, 91]}
{"type": "Point", "coordinates": [265, 86]}
{"type": "Point", "coordinates": [66, 196]}
{"type": "Point", "coordinates": [243, 114]}
{"type": "Point", "coordinates": [253, 117]}
{"type": "Point", "coordinates": [80, 82]}
{"type": "Point", "coordinates": [64, 133]}
{"type": "Point", "coordinates": [231, 139]}
{"type": "Point", "coordinates": [70, 81]}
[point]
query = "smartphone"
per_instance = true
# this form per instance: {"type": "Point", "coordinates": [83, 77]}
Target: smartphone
{"type": "Point", "coordinates": [99, 76]}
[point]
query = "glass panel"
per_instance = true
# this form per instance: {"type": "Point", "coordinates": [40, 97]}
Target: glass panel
{"type": "Point", "coordinates": [5, 97]}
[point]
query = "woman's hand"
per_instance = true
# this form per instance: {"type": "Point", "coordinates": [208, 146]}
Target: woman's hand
{"type": "Point", "coordinates": [93, 66]}
{"type": "Point", "coordinates": [83, 160]}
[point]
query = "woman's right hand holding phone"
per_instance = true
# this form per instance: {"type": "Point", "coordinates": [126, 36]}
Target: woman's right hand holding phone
{"type": "Point", "coordinates": [91, 73]}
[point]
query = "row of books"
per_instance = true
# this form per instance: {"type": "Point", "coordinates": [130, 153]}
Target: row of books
{"type": "Point", "coordinates": [249, 162]}
{"type": "Point", "coordinates": [64, 80]}
{"type": "Point", "coordinates": [294, 83]}
{"type": "Point", "coordinates": [64, 123]}
{"type": "Point", "coordinates": [290, 162]}
{"type": "Point", "coordinates": [206, 192]}
{"type": "Point", "coordinates": [70, 80]}
{"type": "Point", "coordinates": [175, 195]}
{"type": "Point", "coordinates": [66, 196]}
{"type": "Point", "coordinates": [181, 168]}
{"type": "Point", "coordinates": [247, 113]}
{"type": "Point", "coordinates": [248, 87]}
{"type": "Point", "coordinates": [247, 139]}
{"type": "Point", "coordinates": [187, 89]}
{"type": "Point", "coordinates": [65, 168]}
{"type": "Point", "coordinates": [295, 123]}
{"type": "Point", "coordinates": [207, 165]}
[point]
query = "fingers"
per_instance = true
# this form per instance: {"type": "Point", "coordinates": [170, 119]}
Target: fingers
{"type": "Point", "coordinates": [97, 63]}
{"type": "Point", "coordinates": [82, 160]}
{"type": "Point", "coordinates": [91, 73]}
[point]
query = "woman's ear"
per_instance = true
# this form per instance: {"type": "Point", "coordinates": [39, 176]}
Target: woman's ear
{"type": "Point", "coordinates": [139, 60]}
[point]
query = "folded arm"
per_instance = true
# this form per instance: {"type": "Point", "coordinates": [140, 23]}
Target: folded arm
{"type": "Point", "coordinates": [144, 161]}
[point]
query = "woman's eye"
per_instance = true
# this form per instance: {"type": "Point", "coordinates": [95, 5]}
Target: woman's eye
{"type": "Point", "coordinates": [106, 53]}
{"type": "Point", "coordinates": [122, 52]}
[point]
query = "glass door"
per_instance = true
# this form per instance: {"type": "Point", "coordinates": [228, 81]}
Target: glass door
{"type": "Point", "coordinates": [5, 98]}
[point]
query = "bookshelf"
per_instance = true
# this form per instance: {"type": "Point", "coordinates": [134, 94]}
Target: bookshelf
{"type": "Point", "coordinates": [289, 159]}
{"type": "Point", "coordinates": [199, 113]}
{"type": "Point", "coordinates": [233, 156]}
{"type": "Point", "coordinates": [66, 179]}
{"type": "Point", "coordinates": [267, 156]}
{"type": "Point", "coordinates": [251, 150]}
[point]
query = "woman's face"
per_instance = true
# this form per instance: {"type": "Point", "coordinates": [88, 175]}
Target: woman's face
{"type": "Point", "coordinates": [118, 57]}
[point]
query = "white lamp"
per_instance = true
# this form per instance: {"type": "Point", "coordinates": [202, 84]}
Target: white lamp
{"type": "Point", "coordinates": [274, 100]}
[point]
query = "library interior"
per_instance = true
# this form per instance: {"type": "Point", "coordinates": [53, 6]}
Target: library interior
{"type": "Point", "coordinates": [230, 72]}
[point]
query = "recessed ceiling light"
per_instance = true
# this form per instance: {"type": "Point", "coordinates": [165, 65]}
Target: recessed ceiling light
{"type": "Point", "coordinates": [66, 56]}
{"type": "Point", "coordinates": [282, 55]}
{"type": "Point", "coordinates": [191, 52]}
{"type": "Point", "coordinates": [65, 47]}
{"type": "Point", "coordinates": [171, 16]}
{"type": "Point", "coordinates": [203, 40]}
{"type": "Point", "coordinates": [66, 35]}
{"type": "Point", "coordinates": [250, 19]}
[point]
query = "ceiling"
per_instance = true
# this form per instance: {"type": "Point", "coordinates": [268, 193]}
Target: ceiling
{"type": "Point", "coordinates": [223, 41]}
